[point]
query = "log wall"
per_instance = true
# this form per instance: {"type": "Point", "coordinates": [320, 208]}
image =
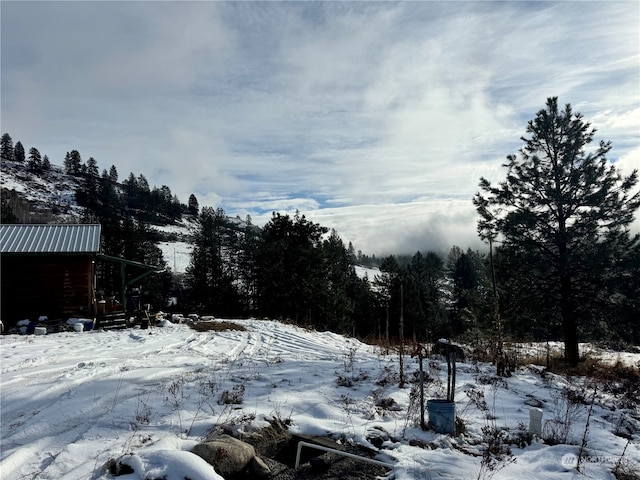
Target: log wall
{"type": "Point", "coordinates": [58, 286]}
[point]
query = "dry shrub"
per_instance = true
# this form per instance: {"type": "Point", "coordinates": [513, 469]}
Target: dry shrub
{"type": "Point", "coordinates": [586, 367]}
{"type": "Point", "coordinates": [216, 326]}
{"type": "Point", "coordinates": [375, 340]}
{"type": "Point", "coordinates": [622, 381]}
{"type": "Point", "coordinates": [233, 397]}
{"type": "Point", "coordinates": [565, 411]}
{"type": "Point", "coordinates": [618, 379]}
{"type": "Point", "coordinates": [496, 453]}
{"type": "Point", "coordinates": [626, 471]}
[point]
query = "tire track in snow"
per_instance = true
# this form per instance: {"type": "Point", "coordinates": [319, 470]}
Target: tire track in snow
{"type": "Point", "coordinates": [295, 343]}
{"type": "Point", "coordinates": [63, 421]}
{"type": "Point", "coordinates": [239, 347]}
{"type": "Point", "coordinates": [74, 391]}
{"type": "Point", "coordinates": [57, 409]}
{"type": "Point", "coordinates": [293, 346]}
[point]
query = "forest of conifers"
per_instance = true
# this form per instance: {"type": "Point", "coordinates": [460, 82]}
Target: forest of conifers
{"type": "Point", "coordinates": [560, 263]}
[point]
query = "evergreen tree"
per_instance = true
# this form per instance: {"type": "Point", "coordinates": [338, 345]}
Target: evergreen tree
{"type": "Point", "coordinates": [131, 192]}
{"type": "Point", "coordinates": [113, 174]}
{"type": "Point", "coordinates": [73, 163]}
{"type": "Point", "coordinates": [427, 272]}
{"type": "Point", "coordinates": [193, 205]}
{"type": "Point", "coordinates": [527, 317]}
{"type": "Point", "coordinates": [6, 147]}
{"type": "Point", "coordinates": [143, 184]}
{"type": "Point", "coordinates": [352, 254]}
{"type": "Point", "coordinates": [564, 211]}
{"type": "Point", "coordinates": [18, 153]}
{"type": "Point", "coordinates": [246, 262]}
{"type": "Point", "coordinates": [110, 193]}
{"type": "Point", "coordinates": [108, 205]}
{"type": "Point", "coordinates": [177, 209]}
{"type": "Point", "coordinates": [211, 288]}
{"type": "Point", "coordinates": [67, 163]}
{"type": "Point", "coordinates": [87, 192]}
{"type": "Point", "coordinates": [35, 160]}
{"type": "Point", "coordinates": [465, 275]}
{"type": "Point", "coordinates": [386, 286]}
{"type": "Point", "coordinates": [339, 275]}
{"type": "Point", "coordinates": [46, 164]}
{"type": "Point", "coordinates": [144, 196]}
{"type": "Point", "coordinates": [289, 265]}
{"type": "Point", "coordinates": [628, 304]}
{"type": "Point", "coordinates": [363, 317]}
{"type": "Point", "coordinates": [92, 168]}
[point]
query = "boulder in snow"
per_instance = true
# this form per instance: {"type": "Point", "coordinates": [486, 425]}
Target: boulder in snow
{"type": "Point", "coordinates": [230, 456]}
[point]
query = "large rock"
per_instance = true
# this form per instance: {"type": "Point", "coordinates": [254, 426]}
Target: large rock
{"type": "Point", "coordinates": [231, 457]}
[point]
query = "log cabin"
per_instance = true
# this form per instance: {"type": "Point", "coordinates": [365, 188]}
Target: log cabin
{"type": "Point", "coordinates": [50, 270]}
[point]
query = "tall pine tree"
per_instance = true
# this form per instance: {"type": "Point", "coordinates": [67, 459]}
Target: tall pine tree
{"type": "Point", "coordinates": [113, 174]}
{"type": "Point", "coordinates": [18, 152]}
{"type": "Point", "coordinates": [193, 205]}
{"type": "Point", "coordinates": [565, 210]}
{"type": "Point", "coordinates": [35, 160]}
{"type": "Point", "coordinates": [73, 162]}
{"type": "Point", "coordinates": [289, 263]}
{"type": "Point", "coordinates": [6, 147]}
{"type": "Point", "coordinates": [210, 285]}
{"type": "Point", "coordinates": [46, 164]}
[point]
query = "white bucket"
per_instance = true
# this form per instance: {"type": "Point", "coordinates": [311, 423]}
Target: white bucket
{"type": "Point", "coordinates": [40, 331]}
{"type": "Point", "coordinates": [78, 327]}
{"type": "Point", "coordinates": [535, 421]}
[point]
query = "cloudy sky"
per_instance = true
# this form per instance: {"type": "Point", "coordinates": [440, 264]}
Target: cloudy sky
{"type": "Point", "coordinates": [376, 119]}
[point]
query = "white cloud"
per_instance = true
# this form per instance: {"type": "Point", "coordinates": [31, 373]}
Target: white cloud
{"type": "Point", "coordinates": [626, 165]}
{"type": "Point", "coordinates": [374, 118]}
{"type": "Point", "coordinates": [387, 229]}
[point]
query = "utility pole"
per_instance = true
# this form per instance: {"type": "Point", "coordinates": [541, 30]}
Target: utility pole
{"type": "Point", "coordinates": [401, 335]}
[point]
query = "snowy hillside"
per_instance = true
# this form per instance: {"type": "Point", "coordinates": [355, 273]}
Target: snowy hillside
{"type": "Point", "coordinates": [177, 253]}
{"type": "Point", "coordinates": [72, 401]}
{"type": "Point", "coordinates": [365, 272]}
{"type": "Point", "coordinates": [51, 192]}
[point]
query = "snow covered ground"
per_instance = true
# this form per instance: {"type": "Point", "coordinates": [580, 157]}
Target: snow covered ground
{"type": "Point", "coordinates": [71, 401]}
{"type": "Point", "coordinates": [369, 273]}
{"type": "Point", "coordinates": [176, 254]}
{"type": "Point", "coordinates": [53, 190]}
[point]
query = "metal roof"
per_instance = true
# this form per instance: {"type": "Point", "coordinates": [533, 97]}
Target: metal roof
{"type": "Point", "coordinates": [28, 238]}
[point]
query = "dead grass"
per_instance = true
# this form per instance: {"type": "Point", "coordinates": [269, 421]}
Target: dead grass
{"type": "Point", "coordinates": [619, 379]}
{"type": "Point", "coordinates": [626, 473]}
{"type": "Point", "coordinates": [216, 326]}
{"type": "Point", "coordinates": [597, 369]}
